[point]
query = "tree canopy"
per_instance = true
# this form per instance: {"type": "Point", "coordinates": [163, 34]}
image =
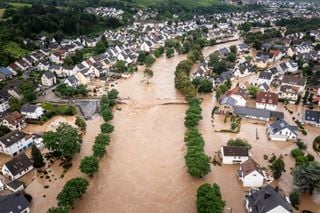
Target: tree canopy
{"type": "Point", "coordinates": [89, 165]}
{"type": "Point", "coordinates": [306, 178]}
{"type": "Point", "coordinates": [209, 199]}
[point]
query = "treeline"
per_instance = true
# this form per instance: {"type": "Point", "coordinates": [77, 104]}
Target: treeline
{"type": "Point", "coordinates": [295, 25]}
{"type": "Point", "coordinates": [67, 91]}
{"type": "Point", "coordinates": [209, 199]}
{"type": "Point", "coordinates": [197, 161]}
{"type": "Point", "coordinates": [256, 39]}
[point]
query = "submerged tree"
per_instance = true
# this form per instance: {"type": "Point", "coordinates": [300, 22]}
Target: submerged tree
{"type": "Point", "coordinates": [37, 157]}
{"type": "Point", "coordinates": [306, 177]}
{"type": "Point", "coordinates": [209, 199]}
{"type": "Point", "coordinates": [277, 166]}
{"type": "Point", "coordinates": [148, 73]}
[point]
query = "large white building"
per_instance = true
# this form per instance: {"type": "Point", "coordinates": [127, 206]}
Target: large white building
{"type": "Point", "coordinates": [251, 174]}
{"type": "Point", "coordinates": [15, 142]}
{"type": "Point", "coordinates": [32, 111]}
{"type": "Point", "coordinates": [234, 154]}
{"type": "Point", "coordinates": [17, 167]}
{"type": "Point", "coordinates": [267, 100]}
{"type": "Point", "coordinates": [280, 130]}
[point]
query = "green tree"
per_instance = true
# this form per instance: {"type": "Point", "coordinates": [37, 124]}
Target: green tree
{"type": "Point", "coordinates": [120, 66]}
{"type": "Point", "coordinates": [141, 57]}
{"type": "Point", "coordinates": [246, 27]}
{"type": "Point", "coordinates": [277, 166]}
{"type": "Point", "coordinates": [65, 140]}
{"type": "Point", "coordinates": [15, 104]}
{"type": "Point", "coordinates": [233, 49]}
{"type": "Point", "coordinates": [37, 157]}
{"type": "Point", "coordinates": [100, 47]}
{"type": "Point", "coordinates": [107, 114]}
{"type": "Point", "coordinates": [232, 57]}
{"type": "Point", "coordinates": [102, 139]}
{"type": "Point", "coordinates": [253, 90]}
{"type": "Point", "coordinates": [169, 52]}
{"type": "Point", "coordinates": [239, 142]}
{"type": "Point", "coordinates": [148, 73]}
{"type": "Point", "coordinates": [306, 178]}
{"type": "Point", "coordinates": [149, 60]}
{"type": "Point", "coordinates": [316, 144]}
{"type": "Point", "coordinates": [158, 52]}
{"type": "Point", "coordinates": [81, 123]}
{"type": "Point", "coordinates": [71, 192]}
{"type": "Point", "coordinates": [295, 199]}
{"type": "Point", "coordinates": [186, 46]}
{"type": "Point", "coordinates": [58, 209]}
{"type": "Point", "coordinates": [106, 128]}
{"type": "Point", "coordinates": [89, 165]}
{"type": "Point", "coordinates": [4, 130]}
{"type": "Point", "coordinates": [209, 199]}
{"type": "Point", "coordinates": [99, 150]}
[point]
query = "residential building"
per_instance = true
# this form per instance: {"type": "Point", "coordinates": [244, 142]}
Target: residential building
{"type": "Point", "coordinates": [290, 93]}
{"type": "Point", "coordinates": [267, 200]}
{"type": "Point", "coordinates": [227, 105]}
{"type": "Point", "coordinates": [33, 112]}
{"type": "Point", "coordinates": [5, 73]}
{"type": "Point", "coordinates": [257, 114]}
{"type": "Point", "coordinates": [15, 186]}
{"type": "Point", "coordinates": [264, 77]}
{"type": "Point", "coordinates": [267, 100]}
{"type": "Point", "coordinates": [17, 167]}
{"type": "Point", "coordinates": [72, 81]}
{"type": "Point", "coordinates": [4, 104]}
{"type": "Point", "coordinates": [251, 174]}
{"type": "Point", "coordinates": [312, 117]}
{"type": "Point", "coordinates": [48, 79]}
{"type": "Point", "coordinates": [15, 142]}
{"type": "Point", "coordinates": [14, 121]}
{"type": "Point", "coordinates": [14, 203]}
{"type": "Point", "coordinates": [280, 130]}
{"type": "Point", "coordinates": [239, 95]}
{"type": "Point", "coordinates": [296, 81]}
{"type": "Point", "coordinates": [234, 154]}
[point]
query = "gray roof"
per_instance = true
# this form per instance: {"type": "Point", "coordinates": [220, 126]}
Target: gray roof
{"type": "Point", "coordinates": [29, 108]}
{"type": "Point", "coordinates": [227, 100]}
{"type": "Point", "coordinates": [312, 116]}
{"type": "Point", "coordinates": [12, 137]}
{"type": "Point", "coordinates": [280, 125]}
{"type": "Point", "coordinates": [235, 151]}
{"type": "Point", "coordinates": [13, 203]}
{"type": "Point", "coordinates": [266, 199]}
{"type": "Point", "coordinates": [265, 75]}
{"type": "Point", "coordinates": [72, 79]}
{"type": "Point", "coordinates": [49, 75]}
{"type": "Point", "coordinates": [15, 184]}
{"type": "Point", "coordinates": [18, 164]}
{"type": "Point", "coordinates": [254, 112]}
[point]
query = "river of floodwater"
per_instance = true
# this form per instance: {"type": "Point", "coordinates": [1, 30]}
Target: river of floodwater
{"type": "Point", "coordinates": [145, 168]}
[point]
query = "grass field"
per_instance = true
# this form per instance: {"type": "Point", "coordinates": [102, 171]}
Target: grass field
{"type": "Point", "coordinates": [187, 3]}
{"type": "Point", "coordinates": [19, 5]}
{"type": "Point", "coordinates": [1, 12]}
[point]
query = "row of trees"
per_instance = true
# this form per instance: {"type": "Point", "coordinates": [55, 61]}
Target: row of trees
{"type": "Point", "coordinates": [67, 91]}
{"type": "Point", "coordinates": [197, 161]}
{"type": "Point", "coordinates": [209, 199]}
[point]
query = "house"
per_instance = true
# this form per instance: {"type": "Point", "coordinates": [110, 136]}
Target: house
{"type": "Point", "coordinates": [72, 81]}
{"type": "Point", "coordinates": [312, 117]}
{"type": "Point", "coordinates": [227, 105]}
{"type": "Point", "coordinates": [4, 104]}
{"type": "Point", "coordinates": [264, 87]}
{"type": "Point", "coordinates": [234, 154]}
{"type": "Point", "coordinates": [296, 81]}
{"type": "Point", "coordinates": [267, 200]}
{"type": "Point", "coordinates": [15, 142]}
{"type": "Point", "coordinates": [83, 76]}
{"type": "Point", "coordinates": [267, 100]}
{"type": "Point", "coordinates": [48, 79]}
{"type": "Point", "coordinates": [17, 167]}
{"type": "Point", "coordinates": [280, 130]}
{"type": "Point", "coordinates": [15, 186]}
{"type": "Point", "coordinates": [14, 121]}
{"type": "Point", "coordinates": [5, 73]}
{"type": "Point", "coordinates": [32, 111]}
{"type": "Point", "coordinates": [14, 203]}
{"type": "Point", "coordinates": [290, 93]}
{"type": "Point", "coordinates": [258, 114]}
{"type": "Point", "coordinates": [239, 95]}
{"type": "Point", "coordinates": [251, 174]}
{"type": "Point", "coordinates": [243, 70]}
{"type": "Point", "coordinates": [264, 77]}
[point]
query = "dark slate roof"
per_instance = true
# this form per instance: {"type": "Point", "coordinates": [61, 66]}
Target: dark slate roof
{"type": "Point", "coordinates": [227, 100]}
{"type": "Point", "coordinates": [235, 151]}
{"type": "Point", "coordinates": [18, 164]}
{"type": "Point", "coordinates": [49, 75]}
{"type": "Point", "coordinates": [276, 114]}
{"type": "Point", "coordinates": [265, 75]}
{"type": "Point", "coordinates": [13, 203]}
{"type": "Point", "coordinates": [12, 137]}
{"type": "Point", "coordinates": [29, 108]}
{"type": "Point", "coordinates": [294, 80]}
{"type": "Point", "coordinates": [255, 112]}
{"type": "Point", "coordinates": [280, 125]}
{"type": "Point", "coordinates": [266, 199]}
{"type": "Point", "coordinates": [15, 184]}
{"type": "Point", "coordinates": [5, 71]}
{"type": "Point", "coordinates": [312, 116]}
{"type": "Point", "coordinates": [72, 79]}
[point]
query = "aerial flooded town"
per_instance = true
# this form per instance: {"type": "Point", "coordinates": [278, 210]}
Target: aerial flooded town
{"type": "Point", "coordinates": [173, 106]}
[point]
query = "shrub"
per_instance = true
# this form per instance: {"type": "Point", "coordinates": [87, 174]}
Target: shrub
{"type": "Point", "coordinates": [106, 128]}
{"type": "Point", "coordinates": [316, 144]}
{"type": "Point", "coordinates": [296, 153]}
{"type": "Point", "coordinates": [295, 199]}
{"type": "Point", "coordinates": [239, 142]}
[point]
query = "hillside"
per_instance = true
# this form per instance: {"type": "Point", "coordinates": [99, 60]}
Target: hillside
{"type": "Point", "coordinates": [186, 3]}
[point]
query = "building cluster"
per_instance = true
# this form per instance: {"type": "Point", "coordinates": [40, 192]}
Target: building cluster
{"type": "Point", "coordinates": [105, 12]}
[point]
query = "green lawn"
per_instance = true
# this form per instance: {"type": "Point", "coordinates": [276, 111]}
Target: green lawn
{"type": "Point", "coordinates": [19, 5]}
{"type": "Point", "coordinates": [1, 12]}
{"type": "Point", "coordinates": [187, 3]}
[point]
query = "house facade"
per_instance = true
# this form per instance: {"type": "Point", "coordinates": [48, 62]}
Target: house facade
{"type": "Point", "coordinates": [312, 117]}
{"type": "Point", "coordinates": [280, 130]}
{"type": "Point", "coordinates": [234, 154]}
{"type": "Point", "coordinates": [251, 174]}
{"type": "Point", "coordinates": [15, 142]}
{"type": "Point", "coordinates": [33, 112]}
{"type": "Point", "coordinates": [15, 203]}
{"type": "Point", "coordinates": [48, 79]}
{"type": "Point", "coordinates": [267, 100]}
{"type": "Point", "coordinates": [17, 167]}
{"type": "Point", "coordinates": [14, 121]}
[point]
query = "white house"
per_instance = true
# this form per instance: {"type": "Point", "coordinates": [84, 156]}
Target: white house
{"type": "Point", "coordinates": [15, 142]}
{"type": "Point", "coordinates": [234, 154]}
{"type": "Point", "coordinates": [239, 95]}
{"type": "Point", "coordinates": [280, 130]}
{"type": "Point", "coordinates": [14, 121]}
{"type": "Point", "coordinates": [32, 111]}
{"type": "Point", "coordinates": [15, 186]}
{"type": "Point", "coordinates": [4, 104]}
{"type": "Point", "coordinates": [17, 167]}
{"type": "Point", "coordinates": [296, 81]}
{"type": "Point", "coordinates": [264, 77]}
{"type": "Point", "coordinates": [48, 79]}
{"type": "Point", "coordinates": [267, 200]}
{"type": "Point", "coordinates": [289, 93]}
{"type": "Point", "coordinates": [267, 100]}
{"type": "Point", "coordinates": [251, 174]}
{"type": "Point", "coordinates": [72, 81]}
